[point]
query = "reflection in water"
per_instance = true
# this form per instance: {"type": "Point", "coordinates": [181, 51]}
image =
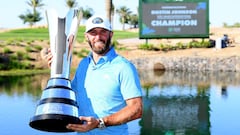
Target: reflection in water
{"type": "Point", "coordinates": [31, 84]}
{"type": "Point", "coordinates": [178, 102]}
{"type": "Point", "coordinates": [190, 78]}
{"type": "Point", "coordinates": [182, 110]}
{"type": "Point", "coordinates": [224, 91]}
{"type": "Point", "coordinates": [175, 103]}
{"type": "Point", "coordinates": [177, 116]}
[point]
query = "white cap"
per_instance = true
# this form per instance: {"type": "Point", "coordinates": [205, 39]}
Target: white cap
{"type": "Point", "coordinates": [97, 21]}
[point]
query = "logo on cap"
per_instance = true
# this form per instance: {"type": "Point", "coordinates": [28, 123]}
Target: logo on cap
{"type": "Point", "coordinates": [97, 20]}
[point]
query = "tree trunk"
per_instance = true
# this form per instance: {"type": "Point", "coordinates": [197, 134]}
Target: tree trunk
{"type": "Point", "coordinates": [108, 4]}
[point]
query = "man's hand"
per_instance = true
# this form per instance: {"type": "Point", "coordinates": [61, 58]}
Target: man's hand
{"type": "Point", "coordinates": [49, 57]}
{"type": "Point", "coordinates": [89, 124]}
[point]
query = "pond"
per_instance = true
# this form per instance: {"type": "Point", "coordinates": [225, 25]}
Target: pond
{"type": "Point", "coordinates": [175, 103]}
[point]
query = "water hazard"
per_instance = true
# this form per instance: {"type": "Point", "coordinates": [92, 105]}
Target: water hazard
{"type": "Point", "coordinates": [175, 103]}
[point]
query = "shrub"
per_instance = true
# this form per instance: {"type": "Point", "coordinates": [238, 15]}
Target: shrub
{"type": "Point", "coordinates": [82, 53]}
{"type": "Point", "coordinates": [6, 50]}
{"type": "Point", "coordinates": [146, 46]}
{"type": "Point", "coordinates": [9, 41]}
{"type": "Point", "coordinates": [38, 47]}
{"type": "Point", "coordinates": [165, 47]}
{"type": "Point", "coordinates": [20, 55]}
{"type": "Point", "coordinates": [181, 45]}
{"type": "Point", "coordinates": [27, 57]}
{"type": "Point", "coordinates": [115, 43]}
{"type": "Point", "coordinates": [29, 42]}
{"type": "Point", "coordinates": [19, 39]}
{"type": "Point", "coordinates": [13, 64]}
{"type": "Point", "coordinates": [206, 44]}
{"type": "Point", "coordinates": [28, 49]}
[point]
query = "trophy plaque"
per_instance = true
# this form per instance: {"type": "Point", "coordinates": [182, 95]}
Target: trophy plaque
{"type": "Point", "coordinates": [57, 106]}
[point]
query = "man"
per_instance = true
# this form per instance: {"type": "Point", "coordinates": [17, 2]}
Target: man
{"type": "Point", "coordinates": [107, 85]}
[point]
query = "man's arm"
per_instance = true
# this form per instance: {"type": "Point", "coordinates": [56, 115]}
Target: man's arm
{"type": "Point", "coordinates": [132, 111]}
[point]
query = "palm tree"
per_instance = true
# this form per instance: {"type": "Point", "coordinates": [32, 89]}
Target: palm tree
{"type": "Point", "coordinates": [112, 14]}
{"type": "Point", "coordinates": [133, 20]}
{"type": "Point", "coordinates": [124, 14]}
{"type": "Point", "coordinates": [108, 6]}
{"type": "Point", "coordinates": [34, 16]}
{"type": "Point", "coordinates": [71, 3]}
{"type": "Point", "coordinates": [30, 18]}
{"type": "Point", "coordinates": [86, 13]}
{"type": "Point", "coordinates": [35, 4]}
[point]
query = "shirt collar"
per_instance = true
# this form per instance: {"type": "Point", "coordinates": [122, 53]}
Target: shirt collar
{"type": "Point", "coordinates": [110, 55]}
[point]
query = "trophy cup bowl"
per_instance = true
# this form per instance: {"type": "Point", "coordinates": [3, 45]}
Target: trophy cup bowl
{"type": "Point", "coordinates": [57, 106]}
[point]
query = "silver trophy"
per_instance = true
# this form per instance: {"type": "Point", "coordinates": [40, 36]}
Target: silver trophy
{"type": "Point", "coordinates": [57, 106]}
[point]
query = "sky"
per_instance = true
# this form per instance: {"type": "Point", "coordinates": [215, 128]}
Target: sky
{"type": "Point", "coordinates": [220, 11]}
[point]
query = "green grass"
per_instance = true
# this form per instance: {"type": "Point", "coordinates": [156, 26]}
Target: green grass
{"type": "Point", "coordinates": [25, 34]}
{"type": "Point", "coordinates": [29, 34]}
{"type": "Point", "coordinates": [124, 34]}
{"type": "Point", "coordinates": [17, 72]}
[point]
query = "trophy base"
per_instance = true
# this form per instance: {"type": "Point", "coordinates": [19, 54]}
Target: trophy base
{"type": "Point", "coordinates": [53, 122]}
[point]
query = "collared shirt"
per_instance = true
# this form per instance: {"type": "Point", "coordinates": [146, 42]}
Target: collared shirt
{"type": "Point", "coordinates": [102, 88]}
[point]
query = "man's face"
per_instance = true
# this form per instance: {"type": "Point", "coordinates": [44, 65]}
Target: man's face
{"type": "Point", "coordinates": [99, 40]}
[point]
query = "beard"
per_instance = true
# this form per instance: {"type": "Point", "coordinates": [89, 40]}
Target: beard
{"type": "Point", "coordinates": [100, 47]}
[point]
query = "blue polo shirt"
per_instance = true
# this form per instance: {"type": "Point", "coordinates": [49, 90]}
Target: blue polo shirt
{"type": "Point", "coordinates": [102, 88]}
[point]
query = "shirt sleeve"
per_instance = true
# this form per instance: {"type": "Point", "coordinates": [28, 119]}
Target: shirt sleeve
{"type": "Point", "coordinates": [130, 82]}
